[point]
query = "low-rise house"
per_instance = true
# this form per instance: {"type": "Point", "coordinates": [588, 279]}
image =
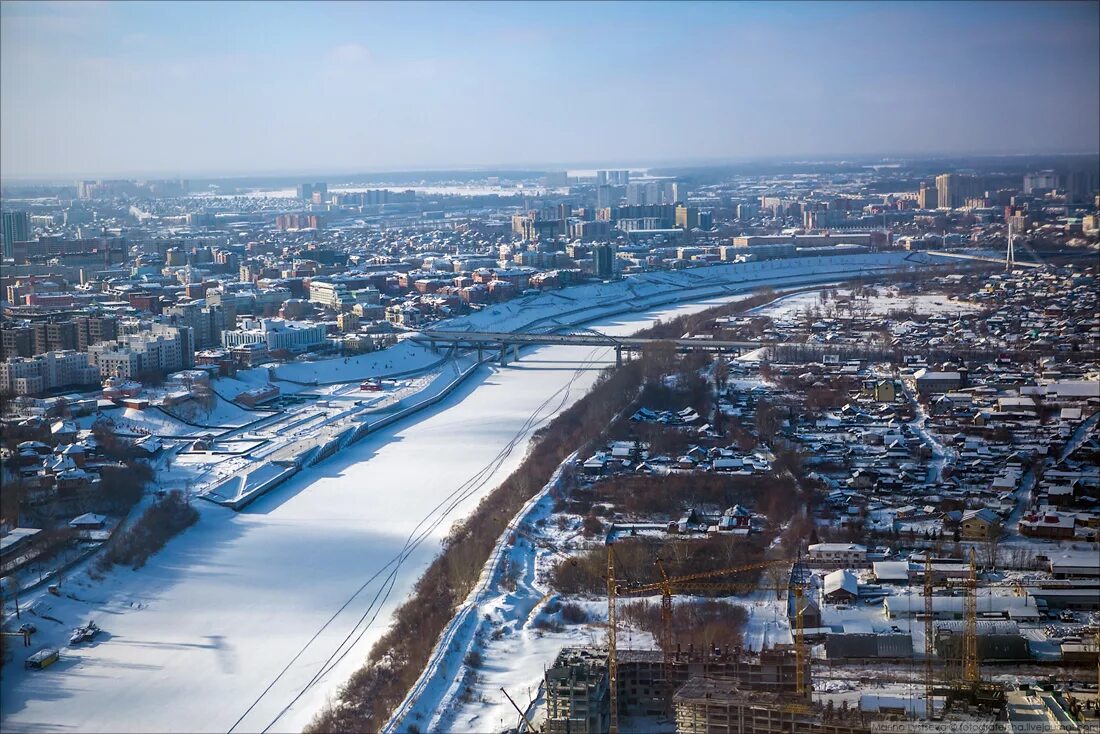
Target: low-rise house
{"type": "Point", "coordinates": [838, 554]}
{"type": "Point", "coordinates": [736, 520]}
{"type": "Point", "coordinates": [840, 586]}
{"type": "Point", "coordinates": [1050, 524]}
{"type": "Point", "coordinates": [929, 382]}
{"type": "Point", "coordinates": [88, 521]}
{"type": "Point", "coordinates": [891, 572]}
{"type": "Point", "coordinates": [981, 524]}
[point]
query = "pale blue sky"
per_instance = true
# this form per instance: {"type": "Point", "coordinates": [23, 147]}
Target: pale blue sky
{"type": "Point", "coordinates": [92, 89]}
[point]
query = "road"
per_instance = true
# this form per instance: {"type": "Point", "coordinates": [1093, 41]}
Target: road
{"type": "Point", "coordinates": [940, 455]}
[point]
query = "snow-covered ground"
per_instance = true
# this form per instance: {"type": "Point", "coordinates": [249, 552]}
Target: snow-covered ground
{"type": "Point", "coordinates": [941, 456]}
{"type": "Point", "coordinates": [252, 620]}
{"type": "Point", "coordinates": [243, 611]}
{"type": "Point", "coordinates": [515, 630]}
{"type": "Point", "coordinates": [888, 300]}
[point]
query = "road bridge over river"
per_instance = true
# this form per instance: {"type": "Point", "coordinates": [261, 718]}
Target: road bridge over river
{"type": "Point", "coordinates": [502, 340]}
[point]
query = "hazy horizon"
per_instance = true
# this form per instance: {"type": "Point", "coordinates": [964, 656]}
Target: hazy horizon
{"type": "Point", "coordinates": [219, 90]}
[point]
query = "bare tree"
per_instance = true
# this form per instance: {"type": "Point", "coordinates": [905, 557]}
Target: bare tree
{"type": "Point", "coordinates": [205, 397]}
{"type": "Point", "coordinates": [990, 547]}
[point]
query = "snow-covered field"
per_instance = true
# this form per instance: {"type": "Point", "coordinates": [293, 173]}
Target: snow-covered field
{"type": "Point", "coordinates": [887, 300]}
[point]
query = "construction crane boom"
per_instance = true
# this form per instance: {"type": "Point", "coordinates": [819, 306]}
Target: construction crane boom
{"type": "Point", "coordinates": [612, 652]}
{"type": "Point", "coordinates": [677, 580]}
{"type": "Point", "coordinates": [929, 641]}
{"type": "Point", "coordinates": [971, 669]}
{"type": "Point", "coordinates": [668, 585]}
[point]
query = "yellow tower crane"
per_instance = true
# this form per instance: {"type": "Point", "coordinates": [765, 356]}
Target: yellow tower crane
{"type": "Point", "coordinates": [929, 641]}
{"type": "Point", "coordinates": [667, 586]}
{"type": "Point", "coordinates": [612, 652]}
{"type": "Point", "coordinates": [971, 670]}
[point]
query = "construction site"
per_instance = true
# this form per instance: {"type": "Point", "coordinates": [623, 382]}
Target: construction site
{"type": "Point", "coordinates": [732, 690]}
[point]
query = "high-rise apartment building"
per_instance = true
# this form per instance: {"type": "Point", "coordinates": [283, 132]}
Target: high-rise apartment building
{"type": "Point", "coordinates": [603, 257]}
{"type": "Point", "coordinates": [953, 189]}
{"type": "Point", "coordinates": [307, 192]}
{"type": "Point", "coordinates": [1042, 181]}
{"type": "Point", "coordinates": [54, 336]}
{"type": "Point", "coordinates": [206, 322]}
{"type": "Point", "coordinates": [161, 349]}
{"type": "Point", "coordinates": [679, 193]}
{"type": "Point", "coordinates": [33, 375]}
{"type": "Point", "coordinates": [928, 198]}
{"type": "Point", "coordinates": [687, 217]}
{"type": "Point", "coordinates": [16, 228]}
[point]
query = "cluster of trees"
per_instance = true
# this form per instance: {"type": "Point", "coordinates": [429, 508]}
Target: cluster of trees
{"type": "Point", "coordinates": [164, 519]}
{"type": "Point", "coordinates": [704, 320]}
{"type": "Point", "coordinates": [120, 487]}
{"type": "Point", "coordinates": [702, 623]}
{"type": "Point", "coordinates": [649, 494]}
{"type": "Point", "coordinates": [636, 561]}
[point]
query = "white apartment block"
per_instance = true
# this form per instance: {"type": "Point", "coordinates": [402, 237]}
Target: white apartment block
{"type": "Point", "coordinates": [332, 295]}
{"type": "Point", "coordinates": [33, 375]}
{"type": "Point", "coordinates": [277, 333]}
{"type": "Point", "coordinates": [162, 348]}
{"type": "Point", "coordinates": [123, 363]}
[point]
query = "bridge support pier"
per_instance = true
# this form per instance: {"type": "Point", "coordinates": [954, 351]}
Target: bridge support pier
{"type": "Point", "coordinates": [503, 355]}
{"type": "Point", "coordinates": [480, 353]}
{"type": "Point", "coordinates": [618, 356]}
{"type": "Point", "coordinates": [515, 352]}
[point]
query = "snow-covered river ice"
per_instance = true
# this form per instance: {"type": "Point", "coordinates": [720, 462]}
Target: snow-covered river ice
{"type": "Point", "coordinates": [250, 621]}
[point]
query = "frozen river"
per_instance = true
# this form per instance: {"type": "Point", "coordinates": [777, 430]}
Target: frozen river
{"type": "Point", "coordinates": [251, 621]}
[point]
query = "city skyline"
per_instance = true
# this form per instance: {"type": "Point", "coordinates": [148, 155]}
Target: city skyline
{"type": "Point", "coordinates": [105, 89]}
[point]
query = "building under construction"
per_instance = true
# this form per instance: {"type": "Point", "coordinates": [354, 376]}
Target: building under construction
{"type": "Point", "coordinates": [578, 694]}
{"type": "Point", "coordinates": [721, 706]}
